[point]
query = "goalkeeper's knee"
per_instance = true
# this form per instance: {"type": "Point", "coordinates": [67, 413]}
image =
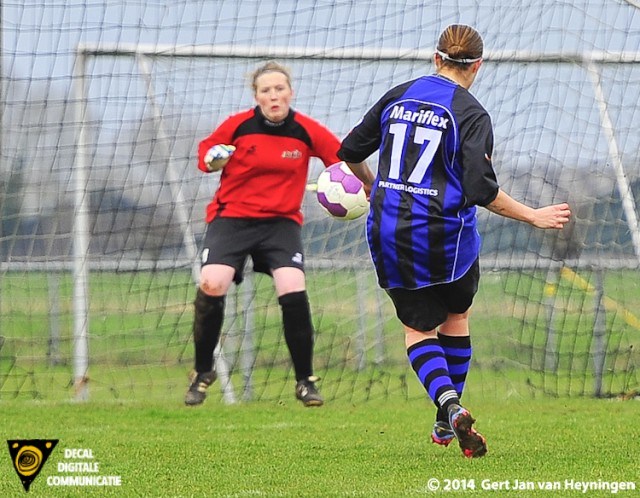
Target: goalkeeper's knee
{"type": "Point", "coordinates": [209, 314]}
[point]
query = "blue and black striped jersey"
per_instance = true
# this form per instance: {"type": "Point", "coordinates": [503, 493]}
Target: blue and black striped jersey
{"type": "Point", "coordinates": [435, 142]}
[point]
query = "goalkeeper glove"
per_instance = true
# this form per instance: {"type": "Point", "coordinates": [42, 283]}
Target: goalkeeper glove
{"type": "Point", "coordinates": [218, 156]}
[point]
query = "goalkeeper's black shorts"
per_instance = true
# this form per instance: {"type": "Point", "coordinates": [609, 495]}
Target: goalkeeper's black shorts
{"type": "Point", "coordinates": [271, 243]}
{"type": "Point", "coordinates": [425, 308]}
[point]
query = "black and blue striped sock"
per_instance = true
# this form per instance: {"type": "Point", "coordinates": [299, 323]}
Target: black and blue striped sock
{"type": "Point", "coordinates": [428, 361]}
{"type": "Point", "coordinates": [457, 352]}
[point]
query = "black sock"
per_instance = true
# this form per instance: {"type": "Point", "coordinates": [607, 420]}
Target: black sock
{"type": "Point", "coordinates": [298, 331]}
{"type": "Point", "coordinates": [207, 325]}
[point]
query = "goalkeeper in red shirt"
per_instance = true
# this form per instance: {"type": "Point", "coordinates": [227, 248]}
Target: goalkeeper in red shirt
{"type": "Point", "coordinates": [263, 154]}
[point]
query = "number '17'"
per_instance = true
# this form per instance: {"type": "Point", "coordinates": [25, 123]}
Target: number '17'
{"type": "Point", "coordinates": [422, 135]}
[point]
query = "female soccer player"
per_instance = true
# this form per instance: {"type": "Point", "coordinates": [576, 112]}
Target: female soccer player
{"type": "Point", "coordinates": [264, 156]}
{"type": "Point", "coordinates": [435, 144]}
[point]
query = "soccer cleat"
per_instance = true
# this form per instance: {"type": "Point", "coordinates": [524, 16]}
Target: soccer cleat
{"type": "Point", "coordinates": [200, 382]}
{"type": "Point", "coordinates": [442, 433]}
{"type": "Point", "coordinates": [307, 392]}
{"type": "Point", "coordinates": [471, 442]}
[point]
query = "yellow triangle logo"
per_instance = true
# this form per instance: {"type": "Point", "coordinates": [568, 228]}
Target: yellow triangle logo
{"type": "Point", "coordinates": [28, 456]}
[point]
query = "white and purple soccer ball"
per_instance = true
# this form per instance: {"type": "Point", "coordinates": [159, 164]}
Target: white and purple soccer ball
{"type": "Point", "coordinates": [341, 193]}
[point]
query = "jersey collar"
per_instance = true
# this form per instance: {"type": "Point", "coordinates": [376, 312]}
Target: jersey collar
{"type": "Point", "coordinates": [270, 124]}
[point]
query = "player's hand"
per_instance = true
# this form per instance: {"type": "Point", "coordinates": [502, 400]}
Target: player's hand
{"type": "Point", "coordinates": [218, 156]}
{"type": "Point", "coordinates": [367, 191]}
{"type": "Point", "coordinates": [554, 216]}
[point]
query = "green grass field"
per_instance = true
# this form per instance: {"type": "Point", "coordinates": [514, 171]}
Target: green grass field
{"type": "Point", "coordinates": [374, 449]}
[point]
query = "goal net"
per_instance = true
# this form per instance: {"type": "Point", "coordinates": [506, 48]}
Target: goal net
{"type": "Point", "coordinates": [102, 206]}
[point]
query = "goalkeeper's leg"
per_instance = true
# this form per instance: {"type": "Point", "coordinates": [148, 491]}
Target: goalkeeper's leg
{"type": "Point", "coordinates": [207, 326]}
{"type": "Point", "coordinates": [298, 332]}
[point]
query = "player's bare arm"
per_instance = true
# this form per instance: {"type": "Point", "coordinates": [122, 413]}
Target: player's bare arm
{"type": "Point", "coordinates": [553, 216]}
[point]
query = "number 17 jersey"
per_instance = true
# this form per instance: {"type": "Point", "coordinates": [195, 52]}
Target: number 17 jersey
{"type": "Point", "coordinates": [435, 142]}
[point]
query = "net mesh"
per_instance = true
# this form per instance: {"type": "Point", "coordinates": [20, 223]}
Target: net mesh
{"type": "Point", "coordinates": [555, 314]}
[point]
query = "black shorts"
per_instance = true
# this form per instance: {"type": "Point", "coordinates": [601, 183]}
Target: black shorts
{"type": "Point", "coordinates": [270, 242]}
{"type": "Point", "coordinates": [426, 308]}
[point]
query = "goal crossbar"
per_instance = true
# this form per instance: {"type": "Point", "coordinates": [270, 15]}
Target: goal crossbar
{"type": "Point", "coordinates": [356, 53]}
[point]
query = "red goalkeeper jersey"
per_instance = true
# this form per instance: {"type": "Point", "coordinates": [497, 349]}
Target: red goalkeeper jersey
{"type": "Point", "coordinates": [267, 174]}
